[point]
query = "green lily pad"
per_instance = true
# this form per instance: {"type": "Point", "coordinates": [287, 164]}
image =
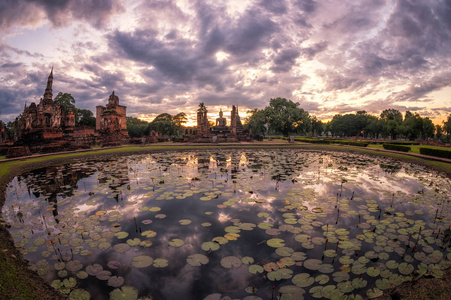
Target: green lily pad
{"type": "Point", "coordinates": [284, 251]}
{"type": "Point", "coordinates": [303, 280]}
{"type": "Point", "coordinates": [254, 269]}
{"type": "Point", "coordinates": [405, 268]}
{"type": "Point", "coordinates": [210, 246]}
{"type": "Point", "coordinates": [196, 260]}
{"type": "Point", "coordinates": [231, 262]}
{"type": "Point", "coordinates": [176, 242]}
{"type": "Point", "coordinates": [312, 264]}
{"type": "Point", "coordinates": [142, 261]}
{"type": "Point", "coordinates": [116, 281]}
{"type": "Point", "coordinates": [275, 243]}
{"type": "Point", "coordinates": [79, 294]}
{"type": "Point", "coordinates": [124, 293]}
{"type": "Point", "coordinates": [160, 263]}
{"type": "Point", "coordinates": [121, 248]}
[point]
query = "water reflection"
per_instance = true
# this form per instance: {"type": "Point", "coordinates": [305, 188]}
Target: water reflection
{"type": "Point", "coordinates": [322, 206]}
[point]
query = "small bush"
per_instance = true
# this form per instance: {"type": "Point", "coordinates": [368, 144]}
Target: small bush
{"type": "Point", "coordinates": [404, 143]}
{"type": "Point", "coordinates": [435, 152]}
{"type": "Point", "coordinates": [396, 147]}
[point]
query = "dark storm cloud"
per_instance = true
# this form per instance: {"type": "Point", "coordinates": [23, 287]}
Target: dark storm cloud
{"type": "Point", "coordinates": [308, 6]}
{"type": "Point", "coordinates": [277, 7]}
{"type": "Point", "coordinates": [285, 60]}
{"type": "Point", "coordinates": [59, 13]}
{"type": "Point", "coordinates": [312, 51]}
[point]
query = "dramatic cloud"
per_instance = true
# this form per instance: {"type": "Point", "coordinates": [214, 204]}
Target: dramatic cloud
{"type": "Point", "coordinates": [168, 55]}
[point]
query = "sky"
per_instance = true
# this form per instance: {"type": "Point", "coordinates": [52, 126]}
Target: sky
{"type": "Point", "coordinates": [163, 56]}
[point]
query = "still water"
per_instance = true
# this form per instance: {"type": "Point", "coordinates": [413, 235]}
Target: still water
{"type": "Point", "coordinates": [231, 224]}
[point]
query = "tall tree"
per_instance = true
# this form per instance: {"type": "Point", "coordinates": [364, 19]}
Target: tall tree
{"type": "Point", "coordinates": [392, 119]}
{"type": "Point", "coordinates": [256, 120]}
{"type": "Point", "coordinates": [66, 101]}
{"type": "Point", "coordinates": [447, 127]}
{"type": "Point", "coordinates": [285, 117]}
{"type": "Point", "coordinates": [85, 117]}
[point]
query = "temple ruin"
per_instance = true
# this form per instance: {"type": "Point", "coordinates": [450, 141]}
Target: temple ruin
{"type": "Point", "coordinates": [219, 133]}
{"type": "Point", "coordinates": [111, 122]}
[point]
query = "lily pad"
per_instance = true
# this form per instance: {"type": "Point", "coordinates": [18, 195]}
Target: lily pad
{"type": "Point", "coordinates": [276, 243]}
{"type": "Point", "coordinates": [231, 262]}
{"type": "Point", "coordinates": [196, 260]}
{"type": "Point", "coordinates": [142, 261]}
{"type": "Point", "coordinates": [124, 293]}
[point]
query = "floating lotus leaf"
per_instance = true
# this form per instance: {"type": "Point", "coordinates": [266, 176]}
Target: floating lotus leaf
{"type": "Point", "coordinates": [82, 275]}
{"type": "Point", "coordinates": [231, 236]}
{"type": "Point", "coordinates": [322, 279]}
{"type": "Point", "coordinates": [254, 269]}
{"type": "Point", "coordinates": [160, 263]}
{"type": "Point", "coordinates": [147, 222]}
{"type": "Point", "coordinates": [59, 266]}
{"type": "Point", "coordinates": [184, 222]}
{"type": "Point", "coordinates": [346, 260]}
{"type": "Point", "coordinates": [330, 253]}
{"type": "Point", "coordinates": [206, 224]}
{"type": "Point", "coordinates": [124, 293]}
{"type": "Point", "coordinates": [142, 261]}
{"type": "Point", "coordinates": [79, 294]}
{"type": "Point", "coordinates": [196, 260]}
{"type": "Point", "coordinates": [275, 243]}
{"type": "Point", "coordinates": [383, 284]}
{"type": "Point", "coordinates": [133, 242]}
{"type": "Point", "coordinates": [220, 239]}
{"type": "Point", "coordinates": [272, 231]}
{"type": "Point", "coordinates": [316, 292]}
{"type": "Point", "coordinates": [114, 264]}
{"type": "Point", "coordinates": [38, 242]}
{"type": "Point", "coordinates": [303, 280]}
{"type": "Point", "coordinates": [210, 246]}
{"type": "Point", "coordinates": [103, 275]}
{"type": "Point", "coordinates": [94, 269]}
{"type": "Point", "coordinates": [69, 282]}
{"type": "Point", "coordinates": [232, 229]}
{"type": "Point", "coordinates": [215, 296]}
{"type": "Point", "coordinates": [359, 283]}
{"type": "Point", "coordinates": [284, 251]}
{"type": "Point", "coordinates": [358, 268]}
{"type": "Point", "coordinates": [373, 272]}
{"type": "Point", "coordinates": [116, 281]}
{"type": "Point", "coordinates": [149, 233]}
{"type": "Point", "coordinates": [262, 215]}
{"type": "Point", "coordinates": [246, 226]}
{"type": "Point", "coordinates": [312, 264]}
{"type": "Point", "coordinates": [176, 243]}
{"type": "Point", "coordinates": [286, 262]}
{"type": "Point", "coordinates": [374, 293]}
{"type": "Point", "coordinates": [74, 265]}
{"type": "Point", "coordinates": [146, 243]}
{"type": "Point", "coordinates": [326, 268]}
{"type": "Point", "coordinates": [160, 216]}
{"type": "Point", "coordinates": [121, 235]}
{"type": "Point", "coordinates": [345, 286]}
{"type": "Point", "coordinates": [247, 260]}
{"type": "Point", "coordinates": [405, 268]}
{"type": "Point", "coordinates": [61, 273]}
{"type": "Point", "coordinates": [121, 248]}
{"type": "Point", "coordinates": [340, 276]}
{"type": "Point", "coordinates": [231, 262]}
{"type": "Point", "coordinates": [156, 208]}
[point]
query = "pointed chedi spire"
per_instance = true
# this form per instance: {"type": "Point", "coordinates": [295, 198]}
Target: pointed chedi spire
{"type": "Point", "coordinates": [48, 94]}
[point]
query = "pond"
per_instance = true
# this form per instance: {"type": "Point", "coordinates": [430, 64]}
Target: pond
{"type": "Point", "coordinates": [232, 224]}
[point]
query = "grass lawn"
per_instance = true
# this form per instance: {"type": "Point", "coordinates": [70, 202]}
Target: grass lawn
{"type": "Point", "coordinates": [413, 148]}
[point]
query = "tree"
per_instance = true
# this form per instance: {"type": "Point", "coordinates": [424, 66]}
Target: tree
{"type": "Point", "coordinates": [447, 126]}
{"type": "Point", "coordinates": [285, 117]}
{"type": "Point", "coordinates": [137, 128]}
{"type": "Point", "coordinates": [438, 131]}
{"type": "Point", "coordinates": [257, 120]}
{"type": "Point", "coordinates": [428, 129]}
{"type": "Point", "coordinates": [85, 117]}
{"type": "Point", "coordinates": [66, 101]}
{"type": "Point", "coordinates": [164, 124]}
{"type": "Point", "coordinates": [392, 119]}
{"type": "Point", "coordinates": [317, 126]}
{"type": "Point", "coordinates": [179, 119]}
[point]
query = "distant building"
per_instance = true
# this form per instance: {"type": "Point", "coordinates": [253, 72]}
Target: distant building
{"type": "Point", "coordinates": [45, 121]}
{"type": "Point", "coordinates": [111, 121]}
{"type": "Point", "coordinates": [220, 132]}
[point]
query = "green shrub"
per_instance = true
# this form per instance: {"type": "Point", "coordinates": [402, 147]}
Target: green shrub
{"type": "Point", "coordinates": [313, 141]}
{"type": "Point", "coordinates": [404, 143]}
{"type": "Point", "coordinates": [396, 147]}
{"type": "Point", "coordinates": [435, 152]}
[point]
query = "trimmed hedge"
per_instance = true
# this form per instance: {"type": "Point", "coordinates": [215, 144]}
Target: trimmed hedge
{"type": "Point", "coordinates": [404, 143]}
{"type": "Point", "coordinates": [435, 152]}
{"type": "Point", "coordinates": [396, 147]}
